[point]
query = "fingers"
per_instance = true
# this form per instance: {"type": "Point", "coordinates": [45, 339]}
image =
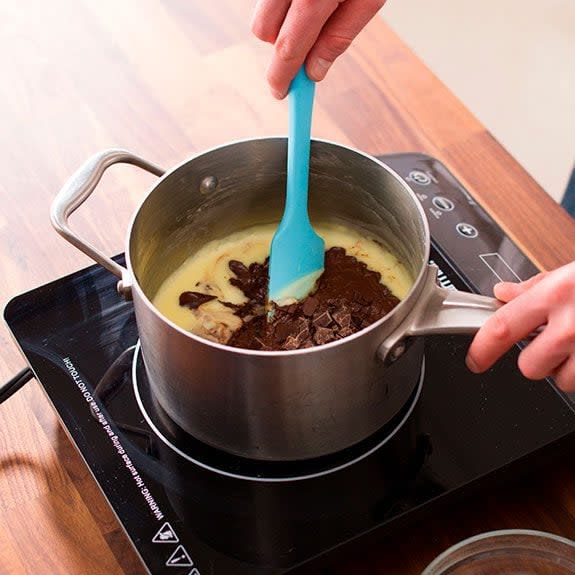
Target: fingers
{"type": "Point", "coordinates": [268, 17]}
{"type": "Point", "coordinates": [548, 351]}
{"type": "Point", "coordinates": [547, 299]}
{"type": "Point", "coordinates": [565, 375]}
{"type": "Point", "coordinates": [512, 323]}
{"type": "Point", "coordinates": [506, 291]}
{"type": "Point", "coordinates": [314, 30]}
{"type": "Point", "coordinates": [499, 333]}
{"type": "Point", "coordinates": [338, 33]}
{"type": "Point", "coordinates": [298, 33]}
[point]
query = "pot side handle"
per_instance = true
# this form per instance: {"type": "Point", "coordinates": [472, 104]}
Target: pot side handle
{"type": "Point", "coordinates": [439, 310]}
{"type": "Point", "coordinates": [78, 189]}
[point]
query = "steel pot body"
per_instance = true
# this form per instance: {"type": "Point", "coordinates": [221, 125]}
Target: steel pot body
{"type": "Point", "coordinates": [276, 405]}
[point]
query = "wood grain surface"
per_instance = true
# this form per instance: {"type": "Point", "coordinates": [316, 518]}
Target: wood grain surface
{"type": "Point", "coordinates": [166, 79]}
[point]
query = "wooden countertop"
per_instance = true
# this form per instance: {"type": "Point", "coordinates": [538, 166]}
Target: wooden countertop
{"type": "Point", "coordinates": [166, 80]}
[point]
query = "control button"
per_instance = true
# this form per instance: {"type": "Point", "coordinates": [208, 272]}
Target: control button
{"type": "Point", "coordinates": [444, 204]}
{"type": "Point", "coordinates": [419, 177]}
{"type": "Point", "coordinates": [467, 230]}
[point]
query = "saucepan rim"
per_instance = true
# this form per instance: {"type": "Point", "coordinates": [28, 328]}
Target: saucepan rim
{"type": "Point", "coordinates": [406, 302]}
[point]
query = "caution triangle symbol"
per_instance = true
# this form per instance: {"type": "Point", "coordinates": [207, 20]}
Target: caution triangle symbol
{"type": "Point", "coordinates": [179, 558]}
{"type": "Point", "coordinates": [165, 535]}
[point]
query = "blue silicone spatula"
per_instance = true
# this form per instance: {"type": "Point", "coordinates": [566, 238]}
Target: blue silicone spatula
{"type": "Point", "coordinates": [297, 252]}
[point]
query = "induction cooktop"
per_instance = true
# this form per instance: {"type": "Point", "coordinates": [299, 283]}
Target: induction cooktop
{"type": "Point", "coordinates": [189, 509]}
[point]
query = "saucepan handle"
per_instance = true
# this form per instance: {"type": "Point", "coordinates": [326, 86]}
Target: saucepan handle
{"type": "Point", "coordinates": [78, 189]}
{"type": "Point", "coordinates": [439, 310]}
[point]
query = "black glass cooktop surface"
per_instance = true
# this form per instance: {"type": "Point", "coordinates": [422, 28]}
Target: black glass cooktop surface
{"type": "Point", "coordinates": [191, 510]}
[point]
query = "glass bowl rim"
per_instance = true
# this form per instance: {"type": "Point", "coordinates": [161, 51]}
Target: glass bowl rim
{"type": "Point", "coordinates": [495, 534]}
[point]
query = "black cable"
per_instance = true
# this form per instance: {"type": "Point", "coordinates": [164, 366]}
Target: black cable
{"type": "Point", "coordinates": [9, 388]}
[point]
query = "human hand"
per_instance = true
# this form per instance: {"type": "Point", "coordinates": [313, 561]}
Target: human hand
{"type": "Point", "coordinates": [547, 299]}
{"type": "Point", "coordinates": [314, 31]}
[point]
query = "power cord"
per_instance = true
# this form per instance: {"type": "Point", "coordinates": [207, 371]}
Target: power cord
{"type": "Point", "coordinates": [9, 388]}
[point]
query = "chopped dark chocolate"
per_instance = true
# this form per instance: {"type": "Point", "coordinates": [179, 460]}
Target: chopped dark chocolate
{"type": "Point", "coordinates": [302, 336]}
{"type": "Point", "coordinates": [321, 319]}
{"type": "Point", "coordinates": [344, 332]}
{"type": "Point", "coordinates": [342, 317]}
{"type": "Point", "coordinates": [194, 299]}
{"type": "Point", "coordinates": [309, 305]}
{"type": "Point", "coordinates": [323, 335]}
{"type": "Point", "coordinates": [348, 298]}
{"type": "Point", "coordinates": [240, 270]}
{"type": "Point", "coordinates": [252, 280]}
{"type": "Point", "coordinates": [290, 343]}
{"type": "Point", "coordinates": [283, 330]}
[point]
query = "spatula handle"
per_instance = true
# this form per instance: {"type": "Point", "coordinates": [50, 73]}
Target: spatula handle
{"type": "Point", "coordinates": [301, 94]}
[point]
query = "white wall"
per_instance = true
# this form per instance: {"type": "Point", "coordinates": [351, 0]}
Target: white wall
{"type": "Point", "coordinates": [512, 63]}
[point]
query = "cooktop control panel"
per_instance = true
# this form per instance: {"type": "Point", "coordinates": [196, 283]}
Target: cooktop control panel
{"type": "Point", "coordinates": [462, 230]}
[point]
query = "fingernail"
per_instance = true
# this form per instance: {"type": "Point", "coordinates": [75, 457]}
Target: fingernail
{"type": "Point", "coordinates": [318, 68]}
{"type": "Point", "coordinates": [471, 364]}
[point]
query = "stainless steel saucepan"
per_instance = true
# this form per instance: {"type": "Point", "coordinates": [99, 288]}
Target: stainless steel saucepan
{"type": "Point", "coordinates": [284, 405]}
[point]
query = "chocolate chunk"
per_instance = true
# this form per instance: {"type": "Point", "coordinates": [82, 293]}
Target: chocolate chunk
{"type": "Point", "coordinates": [342, 318]}
{"type": "Point", "coordinates": [323, 335]}
{"type": "Point", "coordinates": [301, 322]}
{"type": "Point", "coordinates": [252, 280]}
{"type": "Point", "coordinates": [309, 306]}
{"type": "Point", "coordinates": [292, 326]}
{"type": "Point", "coordinates": [322, 319]}
{"type": "Point", "coordinates": [290, 343]}
{"type": "Point", "coordinates": [194, 299]}
{"type": "Point", "coordinates": [240, 269]}
{"type": "Point", "coordinates": [344, 332]}
{"type": "Point", "coordinates": [283, 330]}
{"type": "Point", "coordinates": [302, 336]}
